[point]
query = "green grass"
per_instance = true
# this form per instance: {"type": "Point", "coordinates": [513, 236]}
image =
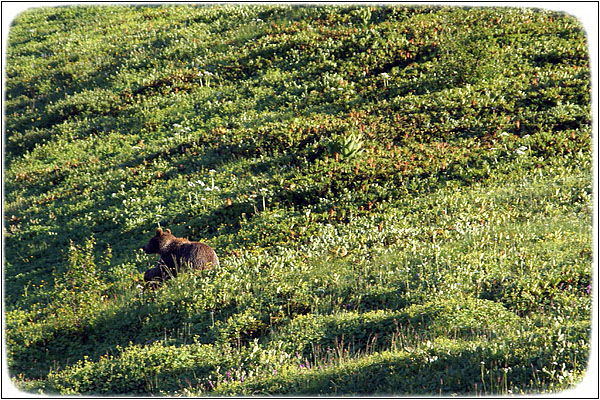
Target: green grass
{"type": "Point", "coordinates": [400, 198]}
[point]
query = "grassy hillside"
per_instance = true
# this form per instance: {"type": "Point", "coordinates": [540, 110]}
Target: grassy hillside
{"type": "Point", "coordinates": [400, 199]}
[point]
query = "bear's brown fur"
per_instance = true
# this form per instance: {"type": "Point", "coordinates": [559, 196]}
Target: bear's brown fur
{"type": "Point", "coordinates": [176, 254]}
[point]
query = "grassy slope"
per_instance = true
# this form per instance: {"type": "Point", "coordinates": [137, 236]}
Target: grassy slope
{"type": "Point", "coordinates": [452, 253]}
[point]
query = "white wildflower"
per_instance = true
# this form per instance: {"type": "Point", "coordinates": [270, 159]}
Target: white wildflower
{"type": "Point", "coordinates": [521, 150]}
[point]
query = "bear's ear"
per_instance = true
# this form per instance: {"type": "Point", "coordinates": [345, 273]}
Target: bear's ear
{"type": "Point", "coordinates": [168, 231]}
{"type": "Point", "coordinates": [159, 232]}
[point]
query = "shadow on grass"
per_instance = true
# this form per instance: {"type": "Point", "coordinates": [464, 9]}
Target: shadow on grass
{"type": "Point", "coordinates": [140, 321]}
{"type": "Point", "coordinates": [462, 368]}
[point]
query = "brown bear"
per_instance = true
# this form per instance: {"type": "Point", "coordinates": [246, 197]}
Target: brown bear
{"type": "Point", "coordinates": [176, 254]}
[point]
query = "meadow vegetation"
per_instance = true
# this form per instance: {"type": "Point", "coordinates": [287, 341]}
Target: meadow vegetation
{"type": "Point", "coordinates": [400, 198]}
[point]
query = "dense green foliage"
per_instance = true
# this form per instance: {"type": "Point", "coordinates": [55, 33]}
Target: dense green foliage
{"type": "Point", "coordinates": [400, 199]}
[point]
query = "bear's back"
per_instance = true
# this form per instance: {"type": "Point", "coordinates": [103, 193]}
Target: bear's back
{"type": "Point", "coordinates": [196, 255]}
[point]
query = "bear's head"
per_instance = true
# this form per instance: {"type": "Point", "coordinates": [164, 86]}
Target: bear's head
{"type": "Point", "coordinates": [159, 243]}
